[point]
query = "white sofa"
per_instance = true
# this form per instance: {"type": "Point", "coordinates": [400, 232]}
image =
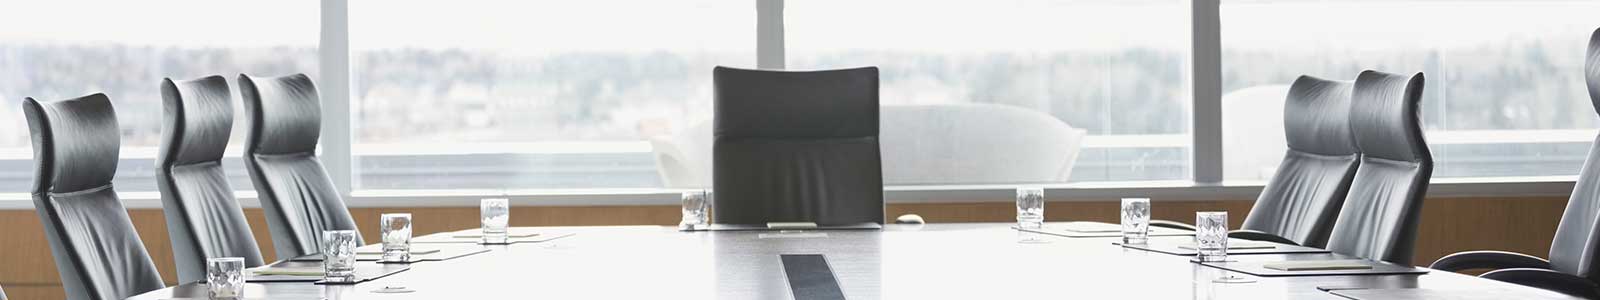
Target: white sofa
{"type": "Point", "coordinates": [924, 144]}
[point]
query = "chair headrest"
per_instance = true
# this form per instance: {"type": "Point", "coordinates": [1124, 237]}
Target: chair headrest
{"type": "Point", "coordinates": [285, 114]}
{"type": "Point", "coordinates": [198, 119]}
{"type": "Point", "coordinates": [786, 104]}
{"type": "Point", "coordinates": [1591, 69]}
{"type": "Point", "coordinates": [75, 143]}
{"type": "Point", "coordinates": [1384, 116]}
{"type": "Point", "coordinates": [1316, 116]}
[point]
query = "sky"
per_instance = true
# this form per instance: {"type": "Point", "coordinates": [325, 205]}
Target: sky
{"type": "Point", "coordinates": [197, 23]}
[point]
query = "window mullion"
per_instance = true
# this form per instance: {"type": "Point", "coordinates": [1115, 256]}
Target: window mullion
{"type": "Point", "coordinates": [334, 55]}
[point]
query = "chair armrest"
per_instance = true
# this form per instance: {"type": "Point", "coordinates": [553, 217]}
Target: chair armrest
{"type": "Point", "coordinates": [1246, 234]}
{"type": "Point", "coordinates": [909, 219]}
{"type": "Point", "coordinates": [1172, 225]}
{"type": "Point", "coordinates": [1548, 280]}
{"type": "Point", "coordinates": [1488, 260]}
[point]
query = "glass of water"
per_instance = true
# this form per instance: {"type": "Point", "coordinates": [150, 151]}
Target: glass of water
{"type": "Point", "coordinates": [1135, 220]}
{"type": "Point", "coordinates": [1030, 208]}
{"type": "Point", "coordinates": [496, 214]}
{"type": "Point", "coordinates": [396, 237]}
{"type": "Point", "coordinates": [1211, 235]}
{"type": "Point", "coordinates": [339, 255]}
{"type": "Point", "coordinates": [694, 209]}
{"type": "Point", "coordinates": [225, 277]}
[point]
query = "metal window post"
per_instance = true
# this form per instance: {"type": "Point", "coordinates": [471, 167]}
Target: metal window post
{"type": "Point", "coordinates": [1206, 84]}
{"type": "Point", "coordinates": [334, 86]}
{"type": "Point", "coordinates": [769, 34]}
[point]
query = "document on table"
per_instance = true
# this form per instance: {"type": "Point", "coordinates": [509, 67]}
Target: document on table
{"type": "Point", "coordinates": [513, 232]}
{"type": "Point", "coordinates": [1089, 227]}
{"type": "Point", "coordinates": [1318, 265]}
{"type": "Point", "coordinates": [791, 225]}
{"type": "Point", "coordinates": [288, 271]}
{"type": "Point", "coordinates": [377, 249]}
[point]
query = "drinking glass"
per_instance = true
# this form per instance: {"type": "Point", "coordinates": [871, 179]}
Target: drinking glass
{"type": "Point", "coordinates": [338, 255]}
{"type": "Point", "coordinates": [694, 209]}
{"type": "Point", "coordinates": [496, 214]}
{"type": "Point", "coordinates": [1030, 208]}
{"type": "Point", "coordinates": [1135, 220]}
{"type": "Point", "coordinates": [225, 277]}
{"type": "Point", "coordinates": [1211, 235]}
{"type": "Point", "coordinates": [396, 237]}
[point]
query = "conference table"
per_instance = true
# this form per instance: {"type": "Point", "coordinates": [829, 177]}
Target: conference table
{"type": "Point", "coordinates": [933, 261]}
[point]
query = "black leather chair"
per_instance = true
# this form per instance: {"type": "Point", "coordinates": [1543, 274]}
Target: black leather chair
{"type": "Point", "coordinates": [203, 218]}
{"type": "Point", "coordinates": [1576, 248]}
{"type": "Point", "coordinates": [797, 147]}
{"type": "Point", "coordinates": [280, 153]}
{"type": "Point", "coordinates": [1378, 219]}
{"type": "Point", "coordinates": [1299, 204]}
{"type": "Point", "coordinates": [75, 146]}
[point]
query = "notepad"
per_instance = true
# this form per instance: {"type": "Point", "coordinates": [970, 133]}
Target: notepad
{"type": "Point", "coordinates": [414, 251]}
{"type": "Point", "coordinates": [1318, 265]}
{"type": "Point", "coordinates": [791, 225]}
{"type": "Point", "coordinates": [289, 271]}
{"type": "Point", "coordinates": [1235, 245]}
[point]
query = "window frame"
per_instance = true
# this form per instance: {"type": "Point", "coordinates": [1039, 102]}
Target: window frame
{"type": "Point", "coordinates": [1207, 179]}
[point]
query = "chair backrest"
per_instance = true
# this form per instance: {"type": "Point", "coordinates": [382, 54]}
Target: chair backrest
{"type": "Point", "coordinates": [796, 147]}
{"type": "Point", "coordinates": [75, 146]}
{"type": "Point", "coordinates": [1303, 197]}
{"type": "Point", "coordinates": [1574, 250]}
{"type": "Point", "coordinates": [203, 218]}
{"type": "Point", "coordinates": [1379, 217]}
{"type": "Point", "coordinates": [299, 199]}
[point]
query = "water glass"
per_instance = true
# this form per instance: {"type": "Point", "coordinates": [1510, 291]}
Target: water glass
{"type": "Point", "coordinates": [496, 214]}
{"type": "Point", "coordinates": [225, 277]}
{"type": "Point", "coordinates": [1211, 235]}
{"type": "Point", "coordinates": [1135, 220]}
{"type": "Point", "coordinates": [339, 255]}
{"type": "Point", "coordinates": [694, 209]}
{"type": "Point", "coordinates": [396, 237]}
{"type": "Point", "coordinates": [1030, 208]}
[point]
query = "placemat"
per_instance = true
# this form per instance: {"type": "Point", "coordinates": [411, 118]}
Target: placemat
{"type": "Point", "coordinates": [1256, 268]}
{"type": "Point", "coordinates": [1085, 229]}
{"type": "Point", "coordinates": [1183, 248]}
{"type": "Point", "coordinates": [1461, 294]}
{"type": "Point", "coordinates": [765, 227]}
{"type": "Point", "coordinates": [364, 272]}
{"type": "Point", "coordinates": [467, 237]}
{"type": "Point", "coordinates": [430, 252]}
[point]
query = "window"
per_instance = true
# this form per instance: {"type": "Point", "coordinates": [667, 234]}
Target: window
{"type": "Point", "coordinates": [1115, 68]}
{"type": "Point", "coordinates": [534, 94]}
{"type": "Point", "coordinates": [1505, 93]}
{"type": "Point", "coordinates": [124, 49]}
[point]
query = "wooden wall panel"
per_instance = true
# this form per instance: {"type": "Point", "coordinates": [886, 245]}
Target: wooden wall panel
{"type": "Point", "coordinates": [1525, 225]}
{"type": "Point", "coordinates": [1519, 225]}
{"type": "Point", "coordinates": [24, 255]}
{"type": "Point", "coordinates": [35, 291]}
